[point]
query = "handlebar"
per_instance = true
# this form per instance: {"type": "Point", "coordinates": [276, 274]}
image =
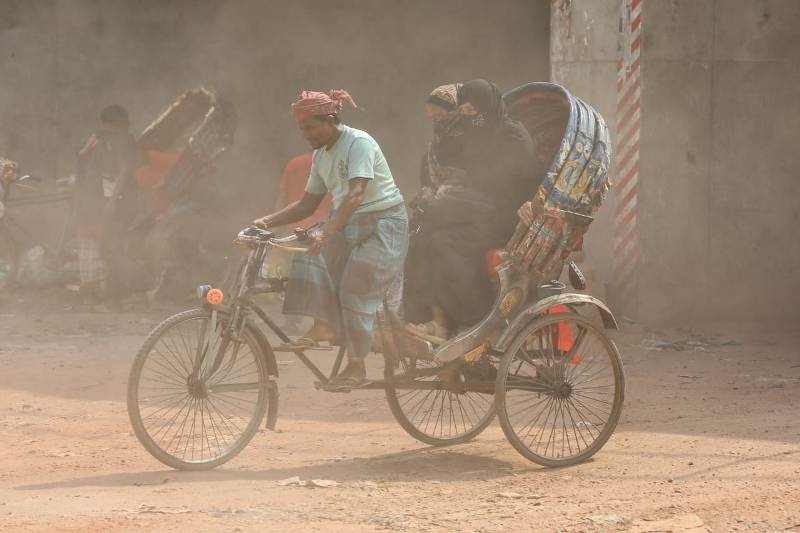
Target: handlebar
{"type": "Point", "coordinates": [255, 236]}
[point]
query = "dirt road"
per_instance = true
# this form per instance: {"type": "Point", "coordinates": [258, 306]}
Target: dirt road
{"type": "Point", "coordinates": [708, 442]}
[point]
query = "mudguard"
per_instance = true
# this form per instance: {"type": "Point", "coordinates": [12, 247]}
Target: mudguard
{"type": "Point", "coordinates": [272, 370]}
{"type": "Point", "coordinates": [539, 307]}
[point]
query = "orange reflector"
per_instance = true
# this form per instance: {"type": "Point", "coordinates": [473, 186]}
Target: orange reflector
{"type": "Point", "coordinates": [215, 296]}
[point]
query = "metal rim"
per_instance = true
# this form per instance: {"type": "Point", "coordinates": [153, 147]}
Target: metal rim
{"type": "Point", "coordinates": [440, 413]}
{"type": "Point", "coordinates": [201, 419]}
{"type": "Point", "coordinates": [562, 390]}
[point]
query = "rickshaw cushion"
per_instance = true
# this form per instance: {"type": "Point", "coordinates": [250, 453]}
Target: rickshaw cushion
{"type": "Point", "coordinates": [494, 258]}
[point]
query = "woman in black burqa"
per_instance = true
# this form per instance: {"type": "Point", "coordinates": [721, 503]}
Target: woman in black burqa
{"type": "Point", "coordinates": [478, 171]}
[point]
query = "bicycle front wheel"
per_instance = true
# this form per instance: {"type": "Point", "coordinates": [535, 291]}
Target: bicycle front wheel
{"type": "Point", "coordinates": [193, 418]}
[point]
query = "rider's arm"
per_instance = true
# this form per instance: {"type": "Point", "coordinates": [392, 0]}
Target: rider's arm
{"type": "Point", "coordinates": [293, 212]}
{"type": "Point", "coordinates": [361, 170]}
{"type": "Point", "coordinates": [342, 215]}
{"type": "Point", "coordinates": [349, 205]}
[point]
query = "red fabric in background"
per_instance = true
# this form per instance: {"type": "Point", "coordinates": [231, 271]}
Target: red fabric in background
{"type": "Point", "coordinates": [293, 182]}
{"type": "Point", "coordinates": [158, 165]}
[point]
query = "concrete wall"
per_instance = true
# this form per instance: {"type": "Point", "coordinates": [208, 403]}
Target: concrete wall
{"type": "Point", "coordinates": [583, 58]}
{"type": "Point", "coordinates": [719, 183]}
{"type": "Point", "coordinates": [61, 61]}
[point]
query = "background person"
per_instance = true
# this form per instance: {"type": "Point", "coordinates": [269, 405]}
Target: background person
{"type": "Point", "coordinates": [104, 204]}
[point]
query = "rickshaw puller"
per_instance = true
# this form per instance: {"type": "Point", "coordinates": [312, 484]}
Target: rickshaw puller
{"type": "Point", "coordinates": [358, 252]}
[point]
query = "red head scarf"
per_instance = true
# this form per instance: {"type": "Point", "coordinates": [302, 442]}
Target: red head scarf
{"type": "Point", "coordinates": [311, 103]}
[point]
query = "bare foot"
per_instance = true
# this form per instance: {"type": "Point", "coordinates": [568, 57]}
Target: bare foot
{"type": "Point", "coordinates": [321, 331]}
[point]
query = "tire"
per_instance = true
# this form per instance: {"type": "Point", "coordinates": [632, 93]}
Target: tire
{"type": "Point", "coordinates": [566, 384]}
{"type": "Point", "coordinates": [415, 409]}
{"type": "Point", "coordinates": [159, 356]}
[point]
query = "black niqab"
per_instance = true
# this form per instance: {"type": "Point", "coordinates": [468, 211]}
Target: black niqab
{"type": "Point", "coordinates": [486, 98]}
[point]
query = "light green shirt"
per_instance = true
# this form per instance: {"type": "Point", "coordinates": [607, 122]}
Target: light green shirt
{"type": "Point", "coordinates": [355, 155]}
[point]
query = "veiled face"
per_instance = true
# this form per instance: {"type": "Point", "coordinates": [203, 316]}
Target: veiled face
{"type": "Point", "coordinates": [435, 113]}
{"type": "Point", "coordinates": [467, 109]}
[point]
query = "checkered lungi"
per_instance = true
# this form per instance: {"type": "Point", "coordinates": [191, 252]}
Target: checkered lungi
{"type": "Point", "coordinates": [345, 285]}
{"type": "Point", "coordinates": [91, 264]}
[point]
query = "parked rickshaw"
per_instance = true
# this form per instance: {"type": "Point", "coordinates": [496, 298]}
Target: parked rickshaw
{"type": "Point", "coordinates": [179, 149]}
{"type": "Point", "coordinates": [540, 361]}
{"type": "Point", "coordinates": [18, 241]}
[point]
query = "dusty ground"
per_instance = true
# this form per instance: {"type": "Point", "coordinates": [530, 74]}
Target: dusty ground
{"type": "Point", "coordinates": [708, 442]}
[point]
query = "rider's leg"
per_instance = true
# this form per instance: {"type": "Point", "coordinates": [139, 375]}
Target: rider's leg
{"type": "Point", "coordinates": [311, 292]}
{"type": "Point", "coordinates": [369, 271]}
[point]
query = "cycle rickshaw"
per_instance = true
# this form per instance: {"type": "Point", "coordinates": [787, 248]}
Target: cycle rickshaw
{"type": "Point", "coordinates": [540, 361]}
{"type": "Point", "coordinates": [179, 149]}
{"type": "Point", "coordinates": [178, 152]}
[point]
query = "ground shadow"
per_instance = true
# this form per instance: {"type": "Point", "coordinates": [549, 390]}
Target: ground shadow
{"type": "Point", "coordinates": [426, 464]}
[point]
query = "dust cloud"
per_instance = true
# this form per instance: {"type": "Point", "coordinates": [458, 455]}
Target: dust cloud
{"type": "Point", "coordinates": [62, 61]}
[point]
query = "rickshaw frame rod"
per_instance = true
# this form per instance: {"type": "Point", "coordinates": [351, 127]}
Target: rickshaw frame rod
{"type": "Point", "coordinates": [476, 386]}
{"type": "Point", "coordinates": [299, 351]}
{"type": "Point", "coordinates": [400, 382]}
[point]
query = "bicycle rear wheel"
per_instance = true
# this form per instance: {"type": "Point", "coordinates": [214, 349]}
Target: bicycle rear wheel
{"type": "Point", "coordinates": [425, 404]}
{"type": "Point", "coordinates": [560, 389]}
{"type": "Point", "coordinates": [197, 420]}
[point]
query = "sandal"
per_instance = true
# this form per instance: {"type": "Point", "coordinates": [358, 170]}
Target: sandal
{"type": "Point", "coordinates": [308, 343]}
{"type": "Point", "coordinates": [345, 384]}
{"type": "Point", "coordinates": [352, 377]}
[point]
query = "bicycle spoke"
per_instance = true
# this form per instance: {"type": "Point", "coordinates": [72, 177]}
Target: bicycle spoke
{"type": "Point", "coordinates": [180, 410]}
{"type": "Point", "coordinates": [558, 399]}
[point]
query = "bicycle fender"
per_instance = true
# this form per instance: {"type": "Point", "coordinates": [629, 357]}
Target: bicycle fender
{"type": "Point", "coordinates": [537, 308]}
{"type": "Point", "coordinates": [266, 349]}
{"type": "Point", "coordinates": [272, 370]}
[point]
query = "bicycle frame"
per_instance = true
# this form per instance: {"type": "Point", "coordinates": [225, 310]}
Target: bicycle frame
{"type": "Point", "coordinates": [243, 304]}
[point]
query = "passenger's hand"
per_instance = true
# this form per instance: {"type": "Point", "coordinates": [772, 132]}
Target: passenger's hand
{"type": "Point", "coordinates": [262, 222]}
{"type": "Point", "coordinates": [525, 213]}
{"type": "Point", "coordinates": [425, 196]}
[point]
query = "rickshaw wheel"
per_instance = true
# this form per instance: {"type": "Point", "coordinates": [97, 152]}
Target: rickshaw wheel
{"type": "Point", "coordinates": [436, 415]}
{"type": "Point", "coordinates": [196, 424]}
{"type": "Point", "coordinates": [560, 389]}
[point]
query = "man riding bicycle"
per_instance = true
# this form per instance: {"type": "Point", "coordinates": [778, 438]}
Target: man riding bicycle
{"type": "Point", "coordinates": [355, 256]}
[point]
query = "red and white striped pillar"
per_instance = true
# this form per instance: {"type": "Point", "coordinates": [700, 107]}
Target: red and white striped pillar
{"type": "Point", "coordinates": [626, 158]}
